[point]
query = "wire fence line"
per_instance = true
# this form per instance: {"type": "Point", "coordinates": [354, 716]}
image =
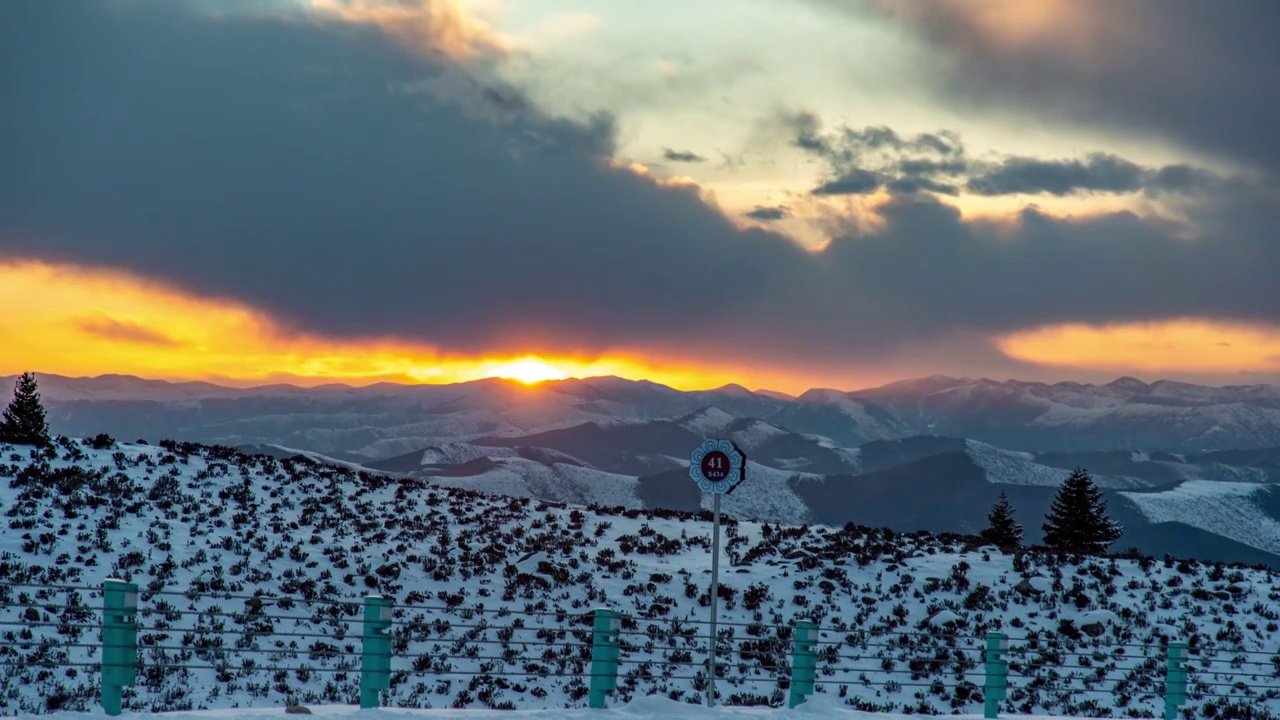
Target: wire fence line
{"type": "Point", "coordinates": [574, 645]}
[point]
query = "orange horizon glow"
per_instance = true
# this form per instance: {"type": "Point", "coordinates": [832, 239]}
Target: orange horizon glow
{"type": "Point", "coordinates": [81, 322]}
{"type": "Point", "coordinates": [1184, 345]}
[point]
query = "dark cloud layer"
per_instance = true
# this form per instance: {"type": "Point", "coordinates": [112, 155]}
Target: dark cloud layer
{"type": "Point", "coordinates": [867, 160]}
{"type": "Point", "coordinates": [351, 187]}
{"type": "Point", "coordinates": [338, 180]}
{"type": "Point", "coordinates": [685, 156]}
{"type": "Point", "coordinates": [1202, 74]}
{"type": "Point", "coordinates": [767, 213]}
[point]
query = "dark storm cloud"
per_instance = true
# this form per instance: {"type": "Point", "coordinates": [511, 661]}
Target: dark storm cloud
{"type": "Point", "coordinates": [868, 159]}
{"type": "Point", "coordinates": [854, 182]}
{"type": "Point", "coordinates": [911, 185]}
{"type": "Point", "coordinates": [124, 331]}
{"type": "Point", "coordinates": [1202, 74]}
{"type": "Point", "coordinates": [1099, 172]}
{"type": "Point", "coordinates": [767, 213]}
{"type": "Point", "coordinates": [929, 269]}
{"type": "Point", "coordinates": [349, 187]}
{"type": "Point", "coordinates": [686, 156]}
{"type": "Point", "coordinates": [334, 178]}
{"type": "Point", "coordinates": [872, 158]}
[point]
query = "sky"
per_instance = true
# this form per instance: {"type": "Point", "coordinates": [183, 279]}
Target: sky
{"type": "Point", "coordinates": [780, 193]}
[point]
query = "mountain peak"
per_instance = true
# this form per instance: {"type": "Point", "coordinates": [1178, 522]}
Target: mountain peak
{"type": "Point", "coordinates": [823, 395]}
{"type": "Point", "coordinates": [708, 421]}
{"type": "Point", "coordinates": [1128, 384]}
{"type": "Point", "coordinates": [932, 383]}
{"type": "Point", "coordinates": [734, 389]}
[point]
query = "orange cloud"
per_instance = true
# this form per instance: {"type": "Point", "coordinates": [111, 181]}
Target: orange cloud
{"type": "Point", "coordinates": [77, 321]}
{"type": "Point", "coordinates": [1187, 345]}
{"type": "Point", "coordinates": [1075, 29]}
{"type": "Point", "coordinates": [125, 331]}
{"type": "Point", "coordinates": [444, 26]}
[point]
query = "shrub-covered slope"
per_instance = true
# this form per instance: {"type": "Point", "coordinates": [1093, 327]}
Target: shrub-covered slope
{"type": "Point", "coordinates": [252, 569]}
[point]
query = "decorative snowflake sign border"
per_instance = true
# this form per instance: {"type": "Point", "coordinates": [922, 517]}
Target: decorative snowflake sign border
{"type": "Point", "coordinates": [717, 466]}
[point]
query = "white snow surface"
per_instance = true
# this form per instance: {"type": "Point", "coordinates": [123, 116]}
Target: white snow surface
{"type": "Point", "coordinates": [710, 421]}
{"type": "Point", "coordinates": [1010, 467]}
{"type": "Point", "coordinates": [755, 434]}
{"type": "Point", "coordinates": [202, 530]}
{"type": "Point", "coordinates": [1214, 507]}
{"type": "Point", "coordinates": [766, 493]}
{"type": "Point", "coordinates": [524, 478]}
{"type": "Point", "coordinates": [647, 708]}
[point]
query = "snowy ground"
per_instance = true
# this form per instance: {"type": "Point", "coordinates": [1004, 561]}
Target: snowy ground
{"type": "Point", "coordinates": [902, 616]}
{"type": "Point", "coordinates": [650, 708]}
{"type": "Point", "coordinates": [1214, 507]}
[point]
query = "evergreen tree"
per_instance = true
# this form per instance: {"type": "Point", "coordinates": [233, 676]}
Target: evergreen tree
{"type": "Point", "coordinates": [23, 422]}
{"type": "Point", "coordinates": [1078, 521]}
{"type": "Point", "coordinates": [1002, 530]}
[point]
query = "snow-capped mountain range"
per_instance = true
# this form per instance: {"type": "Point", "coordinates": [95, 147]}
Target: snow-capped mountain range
{"type": "Point", "coordinates": [252, 570]}
{"type": "Point", "coordinates": [928, 454]}
{"type": "Point", "coordinates": [383, 420]}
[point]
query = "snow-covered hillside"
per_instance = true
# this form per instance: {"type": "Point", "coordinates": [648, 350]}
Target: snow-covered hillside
{"type": "Point", "coordinates": [1007, 467]}
{"type": "Point", "coordinates": [494, 596]}
{"type": "Point", "coordinates": [646, 708]}
{"type": "Point", "coordinates": [1225, 508]}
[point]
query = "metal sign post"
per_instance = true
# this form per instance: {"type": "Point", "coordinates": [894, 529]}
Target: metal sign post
{"type": "Point", "coordinates": [715, 599]}
{"type": "Point", "coordinates": [718, 467]}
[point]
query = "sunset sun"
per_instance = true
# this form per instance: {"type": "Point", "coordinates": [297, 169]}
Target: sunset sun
{"type": "Point", "coordinates": [528, 371]}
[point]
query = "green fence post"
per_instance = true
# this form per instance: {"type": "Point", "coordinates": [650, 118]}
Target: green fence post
{"type": "Point", "coordinates": [804, 662]}
{"type": "Point", "coordinates": [119, 641]}
{"type": "Point", "coordinates": [997, 674]}
{"type": "Point", "coordinates": [604, 656]}
{"type": "Point", "coordinates": [375, 657]}
{"type": "Point", "coordinates": [1175, 682]}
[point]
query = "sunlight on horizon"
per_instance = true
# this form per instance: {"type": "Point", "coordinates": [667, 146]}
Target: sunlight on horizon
{"type": "Point", "coordinates": [77, 321]}
{"type": "Point", "coordinates": [529, 370]}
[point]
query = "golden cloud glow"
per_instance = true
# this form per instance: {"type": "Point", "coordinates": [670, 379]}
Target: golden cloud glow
{"type": "Point", "coordinates": [1189, 345]}
{"type": "Point", "coordinates": [69, 320]}
{"type": "Point", "coordinates": [1074, 28]}
{"type": "Point", "coordinates": [74, 321]}
{"type": "Point", "coordinates": [446, 26]}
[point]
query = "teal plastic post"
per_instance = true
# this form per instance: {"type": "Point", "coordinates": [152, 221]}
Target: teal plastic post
{"type": "Point", "coordinates": [604, 656]}
{"type": "Point", "coordinates": [804, 662]}
{"type": "Point", "coordinates": [997, 674]}
{"type": "Point", "coordinates": [1175, 683]}
{"type": "Point", "coordinates": [119, 641]}
{"type": "Point", "coordinates": [375, 657]}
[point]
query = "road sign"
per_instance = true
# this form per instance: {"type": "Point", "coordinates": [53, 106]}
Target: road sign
{"type": "Point", "coordinates": [718, 467]}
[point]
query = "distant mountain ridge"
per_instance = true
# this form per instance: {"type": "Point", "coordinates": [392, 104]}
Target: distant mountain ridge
{"type": "Point", "coordinates": [927, 454]}
{"type": "Point", "coordinates": [1126, 414]}
{"type": "Point", "coordinates": [384, 420]}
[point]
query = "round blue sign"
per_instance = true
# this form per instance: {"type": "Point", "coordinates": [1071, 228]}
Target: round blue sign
{"type": "Point", "coordinates": [717, 466]}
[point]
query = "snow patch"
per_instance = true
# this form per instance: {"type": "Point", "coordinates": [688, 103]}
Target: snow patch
{"type": "Point", "coordinates": [1214, 507]}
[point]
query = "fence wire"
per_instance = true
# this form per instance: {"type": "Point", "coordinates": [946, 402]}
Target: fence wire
{"type": "Point", "coordinates": [764, 653]}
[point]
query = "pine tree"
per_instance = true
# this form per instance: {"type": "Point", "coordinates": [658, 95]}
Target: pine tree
{"type": "Point", "coordinates": [1002, 530]}
{"type": "Point", "coordinates": [23, 422]}
{"type": "Point", "coordinates": [1078, 521]}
